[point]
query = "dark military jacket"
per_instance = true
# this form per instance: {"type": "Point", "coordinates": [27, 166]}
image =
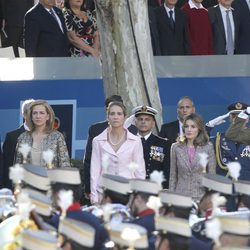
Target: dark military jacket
{"type": "Point", "coordinates": [229, 151]}
{"type": "Point", "coordinates": [157, 156]}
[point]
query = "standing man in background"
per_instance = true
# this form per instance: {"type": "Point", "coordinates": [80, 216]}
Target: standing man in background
{"type": "Point", "coordinates": [9, 145]}
{"type": "Point", "coordinates": [225, 26]}
{"type": "Point", "coordinates": [243, 7]}
{"type": "Point", "coordinates": [199, 28]}
{"type": "Point", "coordinates": [173, 129]}
{"type": "Point", "coordinates": [172, 29]}
{"type": "Point", "coordinates": [13, 19]}
{"type": "Point", "coordinates": [45, 33]}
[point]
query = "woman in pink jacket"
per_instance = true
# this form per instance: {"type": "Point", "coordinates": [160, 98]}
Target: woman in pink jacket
{"type": "Point", "coordinates": [115, 151]}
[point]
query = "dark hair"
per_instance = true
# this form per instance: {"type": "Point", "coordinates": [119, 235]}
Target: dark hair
{"type": "Point", "coordinates": [113, 98]}
{"type": "Point", "coordinates": [76, 189]}
{"type": "Point", "coordinates": [180, 212]}
{"type": "Point", "coordinates": [74, 245]}
{"type": "Point", "coordinates": [176, 242]}
{"type": "Point", "coordinates": [116, 197]}
{"type": "Point", "coordinates": [245, 200]}
{"type": "Point", "coordinates": [202, 137]}
{"type": "Point", "coordinates": [67, 5]}
{"type": "Point", "coordinates": [119, 104]}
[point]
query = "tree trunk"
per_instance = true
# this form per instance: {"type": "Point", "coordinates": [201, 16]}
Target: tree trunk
{"type": "Point", "coordinates": [127, 59]}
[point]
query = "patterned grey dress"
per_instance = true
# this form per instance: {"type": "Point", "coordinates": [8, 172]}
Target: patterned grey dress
{"type": "Point", "coordinates": [53, 141]}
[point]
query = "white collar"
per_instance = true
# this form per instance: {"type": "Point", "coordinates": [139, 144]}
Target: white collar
{"type": "Point", "coordinates": [146, 136]}
{"type": "Point", "coordinates": [222, 8]}
{"type": "Point", "coordinates": [193, 6]}
{"type": "Point", "coordinates": [168, 9]}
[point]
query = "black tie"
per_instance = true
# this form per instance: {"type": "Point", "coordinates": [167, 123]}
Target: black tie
{"type": "Point", "coordinates": [171, 20]}
{"type": "Point", "coordinates": [53, 14]}
{"type": "Point", "coordinates": [143, 140]}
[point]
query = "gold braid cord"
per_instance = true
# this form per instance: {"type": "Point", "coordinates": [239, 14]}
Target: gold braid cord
{"type": "Point", "coordinates": [218, 153]}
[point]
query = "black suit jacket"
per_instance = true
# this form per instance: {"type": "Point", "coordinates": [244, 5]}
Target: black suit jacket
{"type": "Point", "coordinates": [42, 34]}
{"type": "Point", "coordinates": [9, 150]}
{"type": "Point", "coordinates": [170, 131]}
{"type": "Point", "coordinates": [157, 156]}
{"type": "Point", "coordinates": [172, 42]}
{"type": "Point", "coordinates": [14, 11]}
{"type": "Point", "coordinates": [94, 131]}
{"type": "Point", "coordinates": [153, 31]}
{"type": "Point", "coordinates": [219, 35]}
{"type": "Point", "coordinates": [244, 32]}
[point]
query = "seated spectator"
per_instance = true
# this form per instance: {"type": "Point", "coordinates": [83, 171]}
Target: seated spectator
{"type": "Point", "coordinates": [82, 29]}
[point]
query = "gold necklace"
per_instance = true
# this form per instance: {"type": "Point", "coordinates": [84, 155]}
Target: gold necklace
{"type": "Point", "coordinates": [119, 141]}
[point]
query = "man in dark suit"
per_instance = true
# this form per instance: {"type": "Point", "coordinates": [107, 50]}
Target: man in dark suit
{"type": "Point", "coordinates": [173, 129]}
{"type": "Point", "coordinates": [95, 130]}
{"type": "Point", "coordinates": [243, 7]}
{"type": "Point", "coordinates": [172, 29]}
{"type": "Point", "coordinates": [156, 150]}
{"type": "Point", "coordinates": [217, 16]}
{"type": "Point", "coordinates": [45, 32]}
{"type": "Point", "coordinates": [9, 145]}
{"type": "Point", "coordinates": [154, 3]}
{"type": "Point", "coordinates": [153, 31]}
{"type": "Point", "coordinates": [13, 16]}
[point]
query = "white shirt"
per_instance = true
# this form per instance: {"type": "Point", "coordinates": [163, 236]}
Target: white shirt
{"type": "Point", "coordinates": [224, 13]}
{"type": "Point", "coordinates": [180, 129]}
{"type": "Point", "coordinates": [193, 6]}
{"type": "Point", "coordinates": [168, 9]}
{"type": "Point", "coordinates": [248, 3]}
{"type": "Point", "coordinates": [146, 136]}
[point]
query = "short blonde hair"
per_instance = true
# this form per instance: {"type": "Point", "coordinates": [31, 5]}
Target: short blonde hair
{"type": "Point", "coordinates": [50, 112]}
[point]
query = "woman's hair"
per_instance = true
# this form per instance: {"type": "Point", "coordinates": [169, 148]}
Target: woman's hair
{"type": "Point", "coordinates": [176, 242]}
{"type": "Point", "coordinates": [202, 137]}
{"type": "Point", "coordinates": [119, 104]}
{"type": "Point", "coordinates": [67, 5]}
{"type": "Point", "coordinates": [50, 112]}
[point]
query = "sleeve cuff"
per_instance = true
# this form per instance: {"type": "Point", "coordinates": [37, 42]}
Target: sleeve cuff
{"type": "Point", "coordinates": [243, 115]}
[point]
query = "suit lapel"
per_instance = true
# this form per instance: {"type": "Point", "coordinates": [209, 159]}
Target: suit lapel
{"type": "Point", "coordinates": [165, 16]}
{"type": "Point", "coordinates": [220, 21]}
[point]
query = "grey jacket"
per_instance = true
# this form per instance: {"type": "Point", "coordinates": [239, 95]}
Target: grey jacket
{"type": "Point", "coordinates": [186, 177]}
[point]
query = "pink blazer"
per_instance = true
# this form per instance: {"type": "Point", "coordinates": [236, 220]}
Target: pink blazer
{"type": "Point", "coordinates": [130, 151]}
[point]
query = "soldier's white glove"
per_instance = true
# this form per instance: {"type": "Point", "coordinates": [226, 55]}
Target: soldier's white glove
{"type": "Point", "coordinates": [244, 114]}
{"type": "Point", "coordinates": [129, 121]}
{"type": "Point", "coordinates": [217, 121]}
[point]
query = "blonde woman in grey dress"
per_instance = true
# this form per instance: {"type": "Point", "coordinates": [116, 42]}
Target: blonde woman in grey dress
{"type": "Point", "coordinates": [42, 137]}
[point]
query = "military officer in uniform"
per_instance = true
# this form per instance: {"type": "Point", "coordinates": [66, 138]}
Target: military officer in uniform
{"type": "Point", "coordinates": [156, 149]}
{"type": "Point", "coordinates": [238, 131]}
{"type": "Point", "coordinates": [230, 151]}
